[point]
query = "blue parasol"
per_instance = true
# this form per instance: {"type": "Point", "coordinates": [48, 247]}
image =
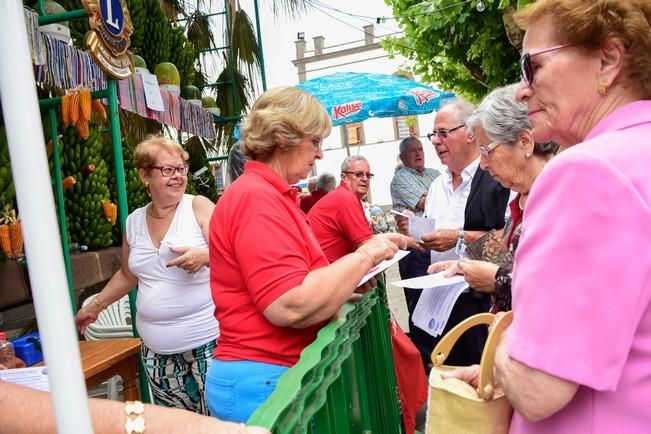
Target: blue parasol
{"type": "Point", "coordinates": [353, 97]}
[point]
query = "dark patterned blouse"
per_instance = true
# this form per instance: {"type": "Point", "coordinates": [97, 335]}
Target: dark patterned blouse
{"type": "Point", "coordinates": [512, 238]}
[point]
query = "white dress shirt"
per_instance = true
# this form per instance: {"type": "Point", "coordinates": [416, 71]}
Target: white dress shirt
{"type": "Point", "coordinates": [447, 205]}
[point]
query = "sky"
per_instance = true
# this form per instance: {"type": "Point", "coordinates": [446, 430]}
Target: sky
{"type": "Point", "coordinates": [279, 33]}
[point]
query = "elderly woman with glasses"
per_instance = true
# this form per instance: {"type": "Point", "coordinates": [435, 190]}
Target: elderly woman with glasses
{"type": "Point", "coordinates": [577, 356]}
{"type": "Point", "coordinates": [508, 152]}
{"type": "Point", "coordinates": [165, 254]}
{"type": "Point", "coordinates": [272, 284]}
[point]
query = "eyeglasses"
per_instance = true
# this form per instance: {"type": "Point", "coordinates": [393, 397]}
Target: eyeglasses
{"type": "Point", "coordinates": [443, 133]}
{"type": "Point", "coordinates": [369, 175]}
{"type": "Point", "coordinates": [487, 149]}
{"type": "Point", "coordinates": [527, 70]}
{"type": "Point", "coordinates": [168, 171]}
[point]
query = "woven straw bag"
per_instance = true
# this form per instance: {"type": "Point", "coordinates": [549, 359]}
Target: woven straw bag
{"type": "Point", "coordinates": [454, 406]}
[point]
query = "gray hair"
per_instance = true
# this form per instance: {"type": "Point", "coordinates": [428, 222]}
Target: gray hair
{"type": "Point", "coordinates": [402, 148]}
{"type": "Point", "coordinates": [345, 165]}
{"type": "Point", "coordinates": [326, 181]}
{"type": "Point", "coordinates": [462, 110]}
{"type": "Point", "coordinates": [501, 116]}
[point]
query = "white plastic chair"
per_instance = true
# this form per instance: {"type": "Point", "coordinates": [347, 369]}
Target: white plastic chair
{"type": "Point", "coordinates": [112, 323]}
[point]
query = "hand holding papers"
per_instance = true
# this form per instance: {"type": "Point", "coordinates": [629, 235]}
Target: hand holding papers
{"type": "Point", "coordinates": [417, 226]}
{"type": "Point", "coordinates": [436, 301]}
{"type": "Point", "coordinates": [383, 266]}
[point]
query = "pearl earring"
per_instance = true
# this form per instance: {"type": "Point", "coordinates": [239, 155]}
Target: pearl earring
{"type": "Point", "coordinates": [528, 154]}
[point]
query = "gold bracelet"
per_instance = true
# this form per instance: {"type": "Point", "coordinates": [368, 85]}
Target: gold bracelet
{"type": "Point", "coordinates": [98, 304]}
{"type": "Point", "coordinates": [134, 425]}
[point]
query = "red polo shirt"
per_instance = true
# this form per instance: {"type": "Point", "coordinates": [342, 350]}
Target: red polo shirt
{"type": "Point", "coordinates": [339, 223]}
{"type": "Point", "coordinates": [260, 247]}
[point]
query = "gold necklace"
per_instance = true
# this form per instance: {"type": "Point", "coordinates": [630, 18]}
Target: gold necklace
{"type": "Point", "coordinates": [160, 217]}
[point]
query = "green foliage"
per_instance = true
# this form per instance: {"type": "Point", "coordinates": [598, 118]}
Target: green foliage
{"type": "Point", "coordinates": [458, 47]}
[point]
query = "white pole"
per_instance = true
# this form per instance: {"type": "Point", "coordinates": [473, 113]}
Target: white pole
{"type": "Point", "coordinates": [40, 228]}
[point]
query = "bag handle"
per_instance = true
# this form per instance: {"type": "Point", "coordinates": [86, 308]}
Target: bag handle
{"type": "Point", "coordinates": [486, 387]}
{"type": "Point", "coordinates": [442, 350]}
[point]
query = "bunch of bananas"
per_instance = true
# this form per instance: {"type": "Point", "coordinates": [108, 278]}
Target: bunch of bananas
{"type": "Point", "coordinates": [7, 191]}
{"type": "Point", "coordinates": [151, 31]}
{"type": "Point", "coordinates": [85, 187]}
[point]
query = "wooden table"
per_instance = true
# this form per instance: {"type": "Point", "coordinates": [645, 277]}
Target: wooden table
{"type": "Point", "coordinates": [105, 358]}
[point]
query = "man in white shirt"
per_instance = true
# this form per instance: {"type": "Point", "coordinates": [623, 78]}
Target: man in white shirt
{"type": "Point", "coordinates": [466, 202]}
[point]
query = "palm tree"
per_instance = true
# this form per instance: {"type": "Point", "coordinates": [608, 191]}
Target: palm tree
{"type": "Point", "coordinates": [234, 74]}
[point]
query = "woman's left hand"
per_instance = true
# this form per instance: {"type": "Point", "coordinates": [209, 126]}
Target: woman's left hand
{"type": "Point", "coordinates": [480, 275]}
{"type": "Point", "coordinates": [191, 259]}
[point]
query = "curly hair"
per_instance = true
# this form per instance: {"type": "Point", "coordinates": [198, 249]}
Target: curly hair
{"type": "Point", "coordinates": [589, 24]}
{"type": "Point", "coordinates": [144, 156]}
{"type": "Point", "coordinates": [283, 115]}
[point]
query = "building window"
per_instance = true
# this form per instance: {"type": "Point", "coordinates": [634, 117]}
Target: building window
{"type": "Point", "coordinates": [405, 126]}
{"type": "Point", "coordinates": [355, 133]}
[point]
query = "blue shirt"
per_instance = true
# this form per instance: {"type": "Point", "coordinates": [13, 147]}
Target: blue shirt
{"type": "Point", "coordinates": [408, 186]}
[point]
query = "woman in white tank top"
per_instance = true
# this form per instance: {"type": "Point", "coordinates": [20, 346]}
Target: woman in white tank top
{"type": "Point", "coordinates": [165, 253]}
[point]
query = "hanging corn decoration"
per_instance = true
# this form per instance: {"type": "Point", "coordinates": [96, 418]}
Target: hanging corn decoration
{"type": "Point", "coordinates": [65, 110]}
{"type": "Point", "coordinates": [74, 107]}
{"type": "Point", "coordinates": [99, 109]}
{"type": "Point", "coordinates": [11, 234]}
{"type": "Point", "coordinates": [84, 103]}
{"type": "Point", "coordinates": [110, 211]}
{"type": "Point", "coordinates": [68, 182]}
{"type": "Point", "coordinates": [5, 239]}
{"type": "Point", "coordinates": [16, 236]}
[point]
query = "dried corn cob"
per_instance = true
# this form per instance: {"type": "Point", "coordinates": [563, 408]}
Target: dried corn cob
{"type": "Point", "coordinates": [114, 213]}
{"type": "Point", "coordinates": [99, 108]}
{"type": "Point", "coordinates": [65, 110]}
{"type": "Point", "coordinates": [5, 240]}
{"type": "Point", "coordinates": [16, 237]}
{"type": "Point", "coordinates": [68, 182]}
{"type": "Point", "coordinates": [84, 103]}
{"type": "Point", "coordinates": [110, 211]}
{"type": "Point", "coordinates": [74, 107]}
{"type": "Point", "coordinates": [83, 128]}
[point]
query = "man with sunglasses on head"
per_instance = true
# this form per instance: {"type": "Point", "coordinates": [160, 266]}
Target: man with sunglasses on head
{"type": "Point", "coordinates": [466, 202]}
{"type": "Point", "coordinates": [338, 219]}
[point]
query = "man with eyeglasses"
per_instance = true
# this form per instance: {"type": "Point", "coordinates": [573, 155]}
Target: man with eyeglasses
{"type": "Point", "coordinates": [338, 219]}
{"type": "Point", "coordinates": [466, 202]}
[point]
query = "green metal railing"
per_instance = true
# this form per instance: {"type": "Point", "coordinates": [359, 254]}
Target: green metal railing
{"type": "Point", "coordinates": [50, 104]}
{"type": "Point", "coordinates": [344, 382]}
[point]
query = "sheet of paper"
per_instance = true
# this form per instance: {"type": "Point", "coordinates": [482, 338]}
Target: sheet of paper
{"type": "Point", "coordinates": [35, 377]}
{"type": "Point", "coordinates": [165, 254]}
{"type": "Point", "coordinates": [153, 97]}
{"type": "Point", "coordinates": [419, 226]}
{"type": "Point", "coordinates": [383, 266]}
{"type": "Point", "coordinates": [429, 281]}
{"type": "Point", "coordinates": [435, 306]}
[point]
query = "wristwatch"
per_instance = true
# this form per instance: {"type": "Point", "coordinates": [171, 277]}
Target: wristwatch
{"type": "Point", "coordinates": [461, 236]}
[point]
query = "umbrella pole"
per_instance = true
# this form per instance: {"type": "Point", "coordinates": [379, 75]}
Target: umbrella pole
{"type": "Point", "coordinates": [41, 232]}
{"type": "Point", "coordinates": [346, 144]}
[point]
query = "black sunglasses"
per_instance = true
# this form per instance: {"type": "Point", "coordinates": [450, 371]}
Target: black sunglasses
{"type": "Point", "coordinates": [442, 132]}
{"type": "Point", "coordinates": [526, 69]}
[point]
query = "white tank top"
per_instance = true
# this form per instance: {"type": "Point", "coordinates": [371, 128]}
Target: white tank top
{"type": "Point", "coordinates": [175, 308]}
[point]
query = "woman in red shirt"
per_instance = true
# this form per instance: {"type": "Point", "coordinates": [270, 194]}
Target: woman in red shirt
{"type": "Point", "coordinates": [272, 285]}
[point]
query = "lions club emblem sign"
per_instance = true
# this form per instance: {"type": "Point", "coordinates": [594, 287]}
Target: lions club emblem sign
{"type": "Point", "coordinates": [109, 36]}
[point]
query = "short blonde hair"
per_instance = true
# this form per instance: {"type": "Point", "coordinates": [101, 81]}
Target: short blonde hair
{"type": "Point", "coordinates": [588, 24]}
{"type": "Point", "coordinates": [144, 156]}
{"type": "Point", "coordinates": [283, 115]}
